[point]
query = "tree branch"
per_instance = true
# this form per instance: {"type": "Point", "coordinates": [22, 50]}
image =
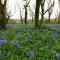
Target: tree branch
{"type": "Point", "coordinates": [50, 7]}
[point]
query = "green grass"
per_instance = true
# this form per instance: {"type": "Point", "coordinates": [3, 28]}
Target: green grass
{"type": "Point", "coordinates": [33, 44]}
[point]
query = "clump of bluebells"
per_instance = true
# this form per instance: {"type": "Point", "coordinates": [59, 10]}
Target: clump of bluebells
{"type": "Point", "coordinates": [53, 35]}
{"type": "Point", "coordinates": [50, 49]}
{"type": "Point", "coordinates": [19, 35]}
{"type": "Point", "coordinates": [58, 55]}
{"type": "Point", "coordinates": [28, 36]}
{"type": "Point", "coordinates": [31, 53]}
{"type": "Point", "coordinates": [15, 43]}
{"type": "Point", "coordinates": [17, 51]}
{"type": "Point", "coordinates": [2, 42]}
{"type": "Point", "coordinates": [3, 50]}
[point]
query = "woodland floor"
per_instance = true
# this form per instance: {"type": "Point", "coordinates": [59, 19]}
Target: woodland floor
{"type": "Point", "coordinates": [24, 42]}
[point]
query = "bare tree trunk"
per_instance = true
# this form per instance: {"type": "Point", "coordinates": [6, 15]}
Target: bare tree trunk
{"type": "Point", "coordinates": [3, 14]}
{"type": "Point", "coordinates": [26, 6]}
{"type": "Point", "coordinates": [37, 13]}
{"type": "Point", "coordinates": [32, 14]}
{"type": "Point", "coordinates": [7, 19]}
{"type": "Point", "coordinates": [26, 16]}
{"type": "Point", "coordinates": [3, 19]}
{"type": "Point", "coordinates": [59, 19]}
{"type": "Point", "coordinates": [21, 20]}
{"type": "Point", "coordinates": [42, 15]}
{"type": "Point", "coordinates": [32, 19]}
{"type": "Point", "coordinates": [41, 21]}
{"type": "Point", "coordinates": [50, 3]}
{"type": "Point", "coordinates": [49, 17]}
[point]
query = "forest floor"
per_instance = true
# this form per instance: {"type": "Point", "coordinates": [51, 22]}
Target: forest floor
{"type": "Point", "coordinates": [24, 42]}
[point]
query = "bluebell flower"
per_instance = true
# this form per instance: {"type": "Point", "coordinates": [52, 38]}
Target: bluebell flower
{"type": "Point", "coordinates": [31, 53]}
{"type": "Point", "coordinates": [53, 36]}
{"type": "Point", "coordinates": [58, 55]}
{"type": "Point", "coordinates": [15, 43]}
{"type": "Point", "coordinates": [2, 42]}
{"type": "Point", "coordinates": [19, 35]}
{"type": "Point", "coordinates": [50, 49]}
{"type": "Point", "coordinates": [50, 44]}
{"type": "Point", "coordinates": [28, 36]}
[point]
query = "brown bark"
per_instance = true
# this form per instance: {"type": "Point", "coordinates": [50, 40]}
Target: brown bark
{"type": "Point", "coordinates": [37, 13]}
{"type": "Point", "coordinates": [25, 15]}
{"type": "Point", "coordinates": [3, 14]}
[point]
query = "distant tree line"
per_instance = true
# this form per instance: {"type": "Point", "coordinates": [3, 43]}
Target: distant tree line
{"type": "Point", "coordinates": [4, 16]}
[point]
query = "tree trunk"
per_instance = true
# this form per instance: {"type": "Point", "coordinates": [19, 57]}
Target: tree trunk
{"type": "Point", "coordinates": [3, 14]}
{"type": "Point", "coordinates": [41, 21]}
{"type": "Point", "coordinates": [59, 19]}
{"type": "Point", "coordinates": [21, 20]}
{"type": "Point", "coordinates": [3, 20]}
{"type": "Point", "coordinates": [32, 19]}
{"type": "Point", "coordinates": [49, 17]}
{"type": "Point", "coordinates": [26, 16]}
{"type": "Point", "coordinates": [7, 19]}
{"type": "Point", "coordinates": [42, 15]}
{"type": "Point", "coordinates": [37, 13]}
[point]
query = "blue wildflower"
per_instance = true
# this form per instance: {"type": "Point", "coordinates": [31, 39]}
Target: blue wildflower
{"type": "Point", "coordinates": [50, 44]}
{"type": "Point", "coordinates": [15, 43]}
{"type": "Point", "coordinates": [58, 55]}
{"type": "Point", "coordinates": [28, 36]}
{"type": "Point", "coordinates": [53, 36]}
{"type": "Point", "coordinates": [2, 42]}
{"type": "Point", "coordinates": [50, 49]}
{"type": "Point", "coordinates": [19, 35]}
{"type": "Point", "coordinates": [31, 53]}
